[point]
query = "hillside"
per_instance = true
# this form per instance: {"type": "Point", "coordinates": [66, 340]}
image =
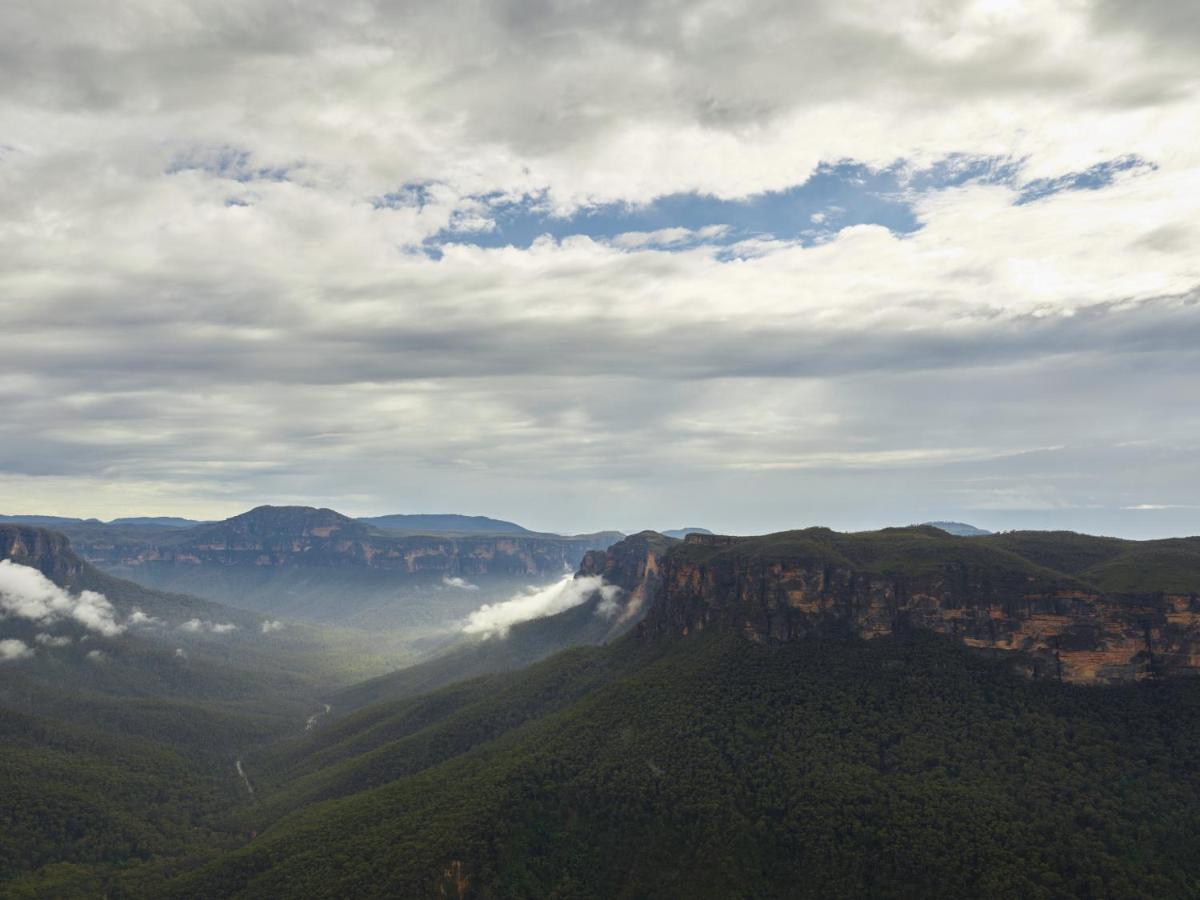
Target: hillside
{"type": "Point", "coordinates": [123, 709]}
{"type": "Point", "coordinates": [716, 767]}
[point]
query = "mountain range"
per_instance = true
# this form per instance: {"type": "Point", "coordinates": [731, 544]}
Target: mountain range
{"type": "Point", "coordinates": [805, 714]}
{"type": "Point", "coordinates": [321, 566]}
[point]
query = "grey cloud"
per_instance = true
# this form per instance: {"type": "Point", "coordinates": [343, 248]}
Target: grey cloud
{"type": "Point", "coordinates": [154, 340]}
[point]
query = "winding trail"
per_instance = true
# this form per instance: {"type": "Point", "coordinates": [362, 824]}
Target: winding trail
{"type": "Point", "coordinates": [242, 774]}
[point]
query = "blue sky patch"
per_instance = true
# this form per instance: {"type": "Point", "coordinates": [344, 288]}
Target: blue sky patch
{"type": "Point", "coordinates": [1098, 176]}
{"type": "Point", "coordinates": [834, 197]}
{"type": "Point", "coordinates": [837, 195]}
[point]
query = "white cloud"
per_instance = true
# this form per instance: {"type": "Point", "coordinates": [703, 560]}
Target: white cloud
{"type": "Point", "coordinates": [667, 237]}
{"type": "Point", "coordinates": [461, 583]}
{"type": "Point", "coordinates": [11, 650]}
{"type": "Point", "coordinates": [49, 640]}
{"type": "Point", "coordinates": [196, 626]}
{"type": "Point", "coordinates": [199, 380]}
{"type": "Point", "coordinates": [271, 625]}
{"type": "Point", "coordinates": [137, 617]}
{"type": "Point", "coordinates": [536, 603]}
{"type": "Point", "coordinates": [28, 594]}
{"type": "Point", "coordinates": [96, 656]}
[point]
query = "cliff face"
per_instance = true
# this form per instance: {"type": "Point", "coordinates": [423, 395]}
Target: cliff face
{"type": "Point", "coordinates": [282, 537]}
{"type": "Point", "coordinates": [1063, 628]}
{"type": "Point", "coordinates": [633, 565]}
{"type": "Point", "coordinates": [46, 551]}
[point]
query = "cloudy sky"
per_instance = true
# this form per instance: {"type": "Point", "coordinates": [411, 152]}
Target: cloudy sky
{"type": "Point", "coordinates": [749, 265]}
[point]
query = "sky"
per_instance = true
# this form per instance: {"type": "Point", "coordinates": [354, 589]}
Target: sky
{"type": "Point", "coordinates": [743, 265]}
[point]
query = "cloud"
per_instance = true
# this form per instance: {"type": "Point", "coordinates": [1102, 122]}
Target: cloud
{"type": "Point", "coordinates": [197, 626]}
{"type": "Point", "coordinates": [12, 650]}
{"type": "Point", "coordinates": [1144, 507]}
{"type": "Point", "coordinates": [28, 594]}
{"type": "Point", "coordinates": [49, 640]}
{"type": "Point", "coordinates": [667, 237]}
{"type": "Point", "coordinates": [96, 656]}
{"type": "Point", "coordinates": [137, 617]}
{"type": "Point", "coordinates": [461, 583]}
{"type": "Point", "coordinates": [354, 154]}
{"type": "Point", "coordinates": [271, 625]}
{"type": "Point", "coordinates": [536, 603]}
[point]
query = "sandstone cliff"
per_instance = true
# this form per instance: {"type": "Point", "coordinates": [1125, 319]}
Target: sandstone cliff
{"type": "Point", "coordinates": [783, 587]}
{"type": "Point", "coordinates": [48, 552]}
{"type": "Point", "coordinates": [282, 537]}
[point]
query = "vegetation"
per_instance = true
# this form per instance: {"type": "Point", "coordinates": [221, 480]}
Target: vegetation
{"type": "Point", "coordinates": [706, 766]}
{"type": "Point", "coordinates": [715, 767]}
{"type": "Point", "coordinates": [1036, 558]}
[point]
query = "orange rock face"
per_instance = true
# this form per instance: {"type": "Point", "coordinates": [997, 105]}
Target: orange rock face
{"type": "Point", "coordinates": [1071, 634]}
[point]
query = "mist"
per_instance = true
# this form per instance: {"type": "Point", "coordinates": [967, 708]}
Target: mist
{"type": "Point", "coordinates": [28, 594]}
{"type": "Point", "coordinates": [537, 603]}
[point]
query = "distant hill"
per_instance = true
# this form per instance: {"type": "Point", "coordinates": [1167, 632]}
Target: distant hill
{"type": "Point", "coordinates": [959, 529]}
{"type": "Point", "coordinates": [444, 523]}
{"type": "Point", "coordinates": [54, 521]}
{"type": "Point", "coordinates": [168, 521]}
{"type": "Point", "coordinates": [681, 533]}
{"type": "Point", "coordinates": [45, 521]}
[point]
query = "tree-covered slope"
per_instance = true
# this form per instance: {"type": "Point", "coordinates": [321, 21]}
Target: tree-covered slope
{"type": "Point", "coordinates": [123, 712]}
{"type": "Point", "coordinates": [718, 767]}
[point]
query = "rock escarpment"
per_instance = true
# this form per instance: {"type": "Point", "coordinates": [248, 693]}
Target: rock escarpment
{"type": "Point", "coordinates": [281, 537]}
{"type": "Point", "coordinates": [633, 565]}
{"type": "Point", "coordinates": [48, 552]}
{"type": "Point", "coordinates": [784, 587]}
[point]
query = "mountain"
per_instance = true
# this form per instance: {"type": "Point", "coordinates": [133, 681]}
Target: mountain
{"type": "Point", "coordinates": [319, 565]}
{"type": "Point", "coordinates": [959, 529]}
{"type": "Point", "coordinates": [445, 524]}
{"type": "Point", "coordinates": [681, 533]}
{"type": "Point", "coordinates": [168, 521]}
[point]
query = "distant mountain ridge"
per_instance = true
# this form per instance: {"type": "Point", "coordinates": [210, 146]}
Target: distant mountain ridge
{"type": "Point", "coordinates": [52, 521]}
{"type": "Point", "coordinates": [959, 529]}
{"type": "Point", "coordinates": [680, 533]}
{"type": "Point", "coordinates": [318, 564]}
{"type": "Point", "coordinates": [445, 522]}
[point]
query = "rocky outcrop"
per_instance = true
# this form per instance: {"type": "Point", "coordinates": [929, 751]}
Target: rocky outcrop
{"type": "Point", "coordinates": [776, 590]}
{"type": "Point", "coordinates": [632, 564]}
{"type": "Point", "coordinates": [48, 552]}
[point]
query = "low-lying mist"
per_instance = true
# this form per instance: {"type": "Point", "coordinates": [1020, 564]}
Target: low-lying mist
{"type": "Point", "coordinates": [538, 602]}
